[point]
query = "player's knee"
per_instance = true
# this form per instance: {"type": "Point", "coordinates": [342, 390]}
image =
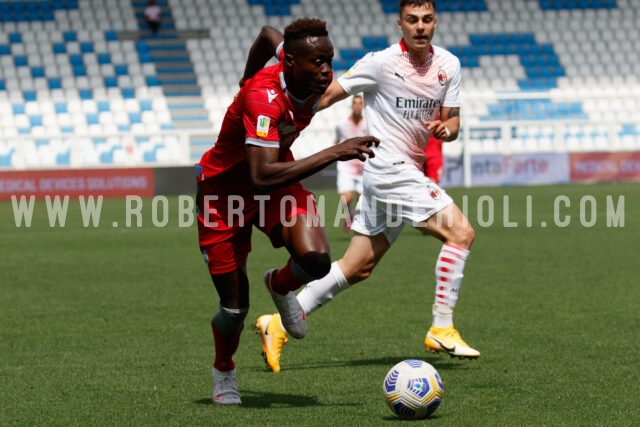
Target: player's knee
{"type": "Point", "coordinates": [465, 237]}
{"type": "Point", "coordinates": [315, 264]}
{"type": "Point", "coordinates": [229, 321]}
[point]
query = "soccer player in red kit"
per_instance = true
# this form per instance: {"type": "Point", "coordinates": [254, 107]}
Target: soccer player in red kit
{"type": "Point", "coordinates": [250, 178]}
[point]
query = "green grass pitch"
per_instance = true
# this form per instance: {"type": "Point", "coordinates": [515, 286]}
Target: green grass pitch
{"type": "Point", "coordinates": [110, 325]}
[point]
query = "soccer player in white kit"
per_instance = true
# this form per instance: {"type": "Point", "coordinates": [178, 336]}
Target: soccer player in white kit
{"type": "Point", "coordinates": [405, 87]}
{"type": "Point", "coordinates": [349, 173]}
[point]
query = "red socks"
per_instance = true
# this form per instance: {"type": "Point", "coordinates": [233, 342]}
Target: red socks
{"type": "Point", "coordinates": [226, 346]}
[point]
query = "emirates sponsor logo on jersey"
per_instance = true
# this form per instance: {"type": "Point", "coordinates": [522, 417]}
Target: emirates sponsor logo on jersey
{"type": "Point", "coordinates": [442, 77]}
{"type": "Point", "coordinates": [418, 108]}
{"type": "Point", "coordinates": [262, 127]}
{"type": "Point", "coordinates": [434, 192]}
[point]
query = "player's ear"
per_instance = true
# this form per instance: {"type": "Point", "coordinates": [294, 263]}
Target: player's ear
{"type": "Point", "coordinates": [288, 59]}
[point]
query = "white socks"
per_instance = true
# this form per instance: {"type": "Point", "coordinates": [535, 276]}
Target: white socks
{"type": "Point", "coordinates": [321, 291]}
{"type": "Point", "coordinates": [449, 274]}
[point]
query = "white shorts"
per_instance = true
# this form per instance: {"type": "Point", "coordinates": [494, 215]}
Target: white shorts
{"type": "Point", "coordinates": [348, 183]}
{"type": "Point", "coordinates": [395, 198]}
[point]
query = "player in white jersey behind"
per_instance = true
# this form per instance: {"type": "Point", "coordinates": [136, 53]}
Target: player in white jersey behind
{"type": "Point", "coordinates": [349, 174]}
{"type": "Point", "coordinates": [405, 87]}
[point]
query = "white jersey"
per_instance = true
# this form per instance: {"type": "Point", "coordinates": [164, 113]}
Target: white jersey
{"type": "Point", "coordinates": [349, 129]}
{"type": "Point", "coordinates": [399, 96]}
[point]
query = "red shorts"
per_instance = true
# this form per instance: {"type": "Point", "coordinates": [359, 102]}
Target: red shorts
{"type": "Point", "coordinates": [225, 221]}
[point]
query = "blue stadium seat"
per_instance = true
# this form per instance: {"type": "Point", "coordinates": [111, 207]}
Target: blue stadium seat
{"type": "Point", "coordinates": [29, 95]}
{"type": "Point", "coordinates": [121, 69]}
{"type": "Point", "coordinates": [103, 106]}
{"type": "Point", "coordinates": [110, 35]}
{"type": "Point", "coordinates": [145, 105]}
{"type": "Point", "coordinates": [59, 48]}
{"type": "Point", "coordinates": [152, 81]}
{"type": "Point", "coordinates": [15, 38]}
{"type": "Point", "coordinates": [128, 93]}
{"type": "Point", "coordinates": [37, 72]}
{"type": "Point", "coordinates": [85, 94]}
{"type": "Point", "coordinates": [54, 83]}
{"type": "Point", "coordinates": [110, 82]}
{"type": "Point", "coordinates": [92, 119]}
{"type": "Point", "coordinates": [79, 71]}
{"type": "Point", "coordinates": [86, 47]}
{"type": "Point", "coordinates": [20, 61]}
{"type": "Point", "coordinates": [64, 158]}
{"type": "Point", "coordinates": [104, 58]}
{"type": "Point", "coordinates": [70, 36]}
{"type": "Point", "coordinates": [76, 60]}
{"type": "Point", "coordinates": [35, 120]}
{"type": "Point", "coordinates": [135, 118]}
{"type": "Point", "coordinates": [61, 107]}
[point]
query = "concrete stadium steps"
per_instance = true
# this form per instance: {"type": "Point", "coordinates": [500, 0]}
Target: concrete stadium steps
{"type": "Point", "coordinates": [188, 112]}
{"type": "Point", "coordinates": [167, 24]}
{"type": "Point", "coordinates": [176, 77]}
{"type": "Point", "coordinates": [199, 144]}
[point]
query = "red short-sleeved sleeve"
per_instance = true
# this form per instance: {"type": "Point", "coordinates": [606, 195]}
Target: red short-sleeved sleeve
{"type": "Point", "coordinates": [261, 116]}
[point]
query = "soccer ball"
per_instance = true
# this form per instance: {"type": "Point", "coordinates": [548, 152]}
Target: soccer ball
{"type": "Point", "coordinates": [413, 389]}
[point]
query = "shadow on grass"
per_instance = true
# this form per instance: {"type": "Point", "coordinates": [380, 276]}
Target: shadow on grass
{"type": "Point", "coordinates": [441, 363]}
{"type": "Point", "coordinates": [253, 399]}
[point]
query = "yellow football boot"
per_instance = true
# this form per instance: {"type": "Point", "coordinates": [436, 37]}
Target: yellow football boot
{"type": "Point", "coordinates": [448, 340]}
{"type": "Point", "coordinates": [273, 339]}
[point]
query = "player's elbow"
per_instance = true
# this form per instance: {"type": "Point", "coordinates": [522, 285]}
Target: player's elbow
{"type": "Point", "coordinates": [263, 183]}
{"type": "Point", "coordinates": [262, 186]}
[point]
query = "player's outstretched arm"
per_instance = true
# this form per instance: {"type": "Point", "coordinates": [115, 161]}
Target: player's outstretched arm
{"type": "Point", "coordinates": [262, 50]}
{"type": "Point", "coordinates": [268, 173]}
{"type": "Point", "coordinates": [334, 93]}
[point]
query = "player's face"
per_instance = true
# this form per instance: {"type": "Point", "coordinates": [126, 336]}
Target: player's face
{"type": "Point", "coordinates": [311, 66]}
{"type": "Point", "coordinates": [418, 24]}
{"type": "Point", "coordinates": [356, 105]}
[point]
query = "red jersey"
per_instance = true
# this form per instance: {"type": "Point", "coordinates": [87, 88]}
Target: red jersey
{"type": "Point", "coordinates": [263, 113]}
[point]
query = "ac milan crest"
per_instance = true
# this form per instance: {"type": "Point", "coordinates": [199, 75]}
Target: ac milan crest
{"type": "Point", "coordinates": [442, 77]}
{"type": "Point", "coordinates": [434, 192]}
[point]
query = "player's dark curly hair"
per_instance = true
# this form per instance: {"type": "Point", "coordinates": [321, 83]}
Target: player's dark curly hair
{"type": "Point", "coordinates": [302, 28]}
{"type": "Point", "coordinates": [405, 3]}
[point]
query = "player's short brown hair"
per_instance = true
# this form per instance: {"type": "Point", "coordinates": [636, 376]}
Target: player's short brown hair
{"type": "Point", "coordinates": [302, 28]}
{"type": "Point", "coordinates": [405, 3]}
